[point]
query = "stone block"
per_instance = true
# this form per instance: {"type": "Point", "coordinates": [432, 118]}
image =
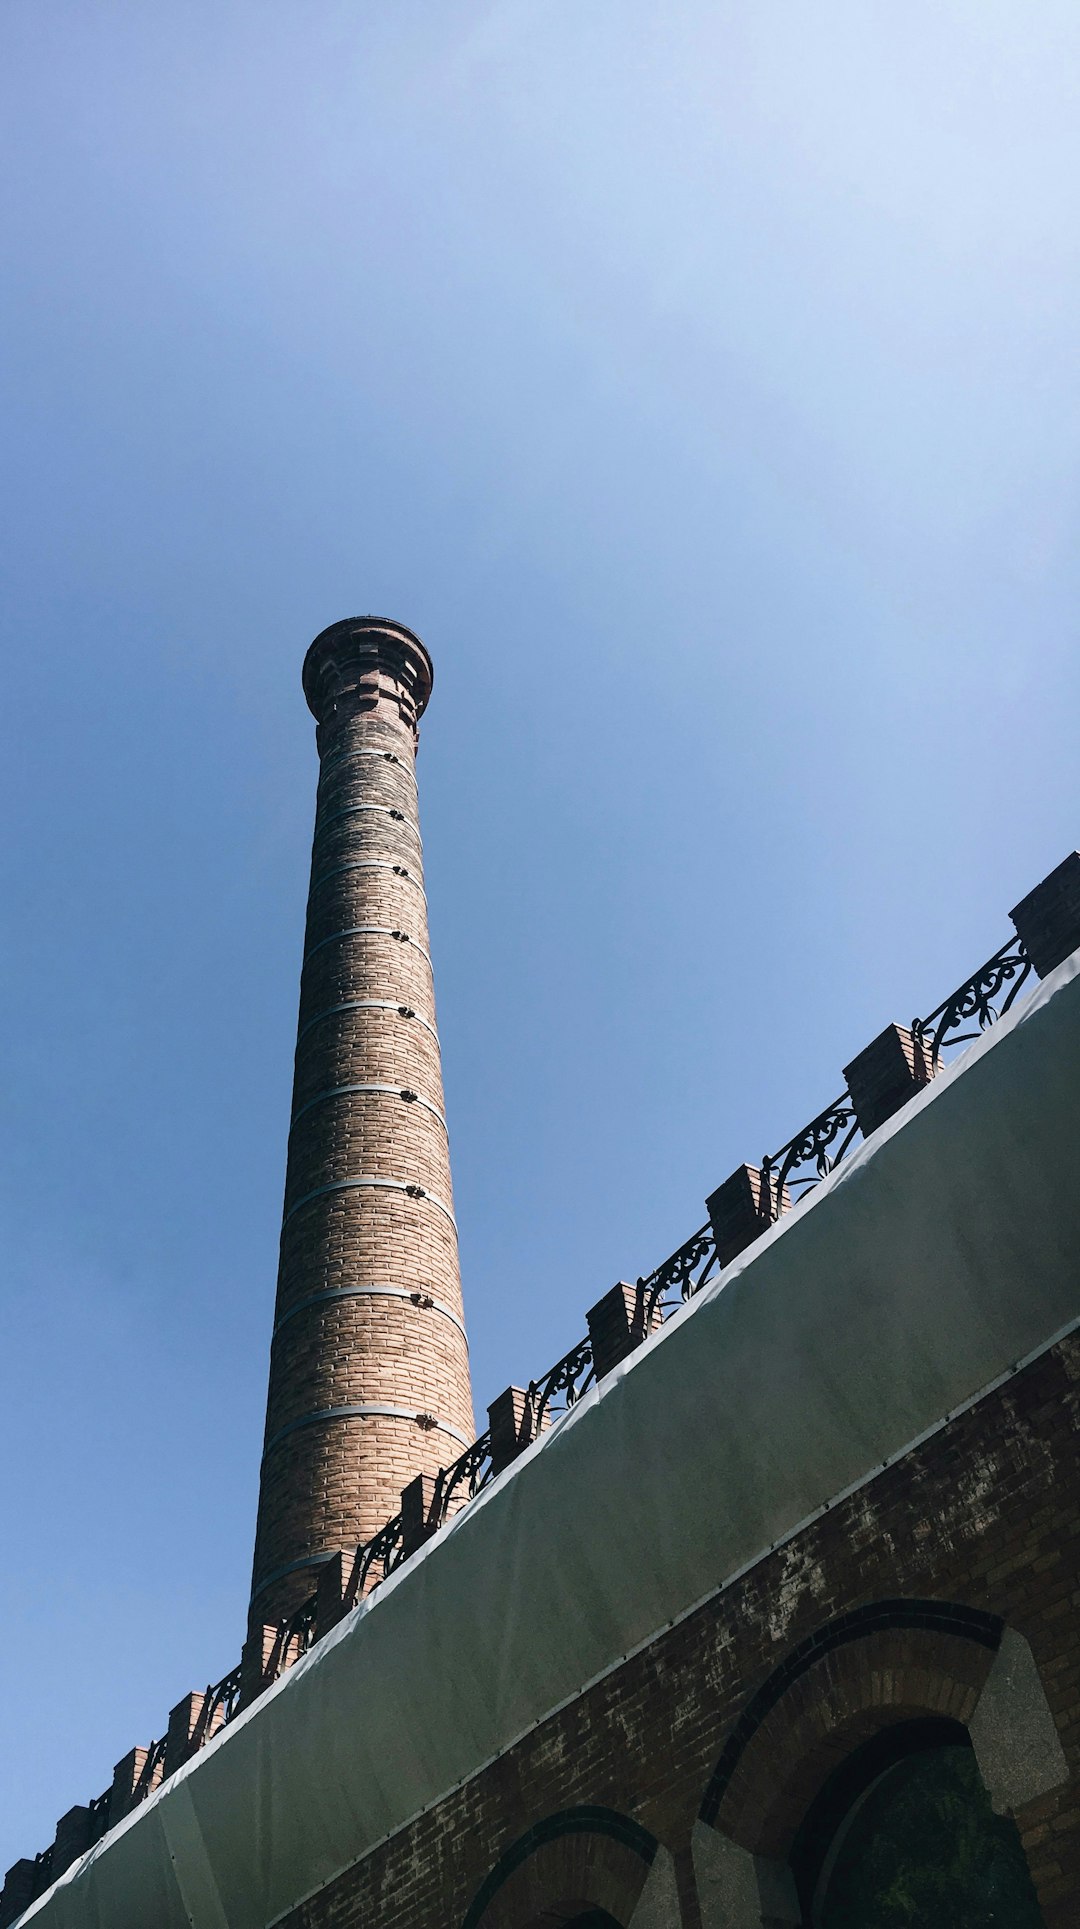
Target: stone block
{"type": "Point", "coordinates": [330, 1592]}
{"type": "Point", "coordinates": [127, 1783]}
{"type": "Point", "coordinates": [739, 1212]}
{"type": "Point", "coordinates": [886, 1075]}
{"type": "Point", "coordinates": [72, 1839]}
{"type": "Point", "coordinates": [18, 1892]}
{"type": "Point", "coordinates": [182, 1735]}
{"type": "Point", "coordinates": [617, 1325]}
{"type": "Point", "coordinates": [1048, 919]}
{"type": "Point", "coordinates": [258, 1660]}
{"type": "Point", "coordinates": [511, 1423]}
{"type": "Point", "coordinates": [419, 1517]}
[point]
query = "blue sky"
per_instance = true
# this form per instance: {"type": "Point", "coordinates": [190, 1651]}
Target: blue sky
{"type": "Point", "coordinates": [700, 381]}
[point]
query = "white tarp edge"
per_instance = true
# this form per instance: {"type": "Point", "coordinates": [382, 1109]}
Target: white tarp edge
{"type": "Point", "coordinates": [939, 1255]}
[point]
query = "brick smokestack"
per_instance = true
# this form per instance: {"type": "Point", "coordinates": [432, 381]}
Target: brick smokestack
{"type": "Point", "coordinates": [369, 1374]}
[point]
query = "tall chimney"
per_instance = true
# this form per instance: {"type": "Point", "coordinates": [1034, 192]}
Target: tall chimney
{"type": "Point", "coordinates": [369, 1372]}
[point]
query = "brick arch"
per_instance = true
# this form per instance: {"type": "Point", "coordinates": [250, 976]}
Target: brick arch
{"type": "Point", "coordinates": [889, 1662]}
{"type": "Point", "coordinates": [582, 1861]}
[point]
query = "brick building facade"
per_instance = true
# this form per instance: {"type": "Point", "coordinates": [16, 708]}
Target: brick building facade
{"type": "Point", "coordinates": [774, 1575]}
{"type": "Point", "coordinates": [670, 1794]}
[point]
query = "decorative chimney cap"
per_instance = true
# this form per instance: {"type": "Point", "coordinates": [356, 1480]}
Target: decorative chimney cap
{"type": "Point", "coordinates": [366, 649]}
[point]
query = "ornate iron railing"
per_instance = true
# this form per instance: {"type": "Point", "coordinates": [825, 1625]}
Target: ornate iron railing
{"type": "Point", "coordinates": [220, 1703]}
{"type": "Point", "coordinates": [808, 1157]}
{"type": "Point", "coordinates": [680, 1277]}
{"type": "Point", "coordinates": [151, 1771]}
{"type": "Point", "coordinates": [455, 1485]}
{"type": "Point", "coordinates": [818, 1149]}
{"type": "Point", "coordinates": [377, 1558]}
{"type": "Point", "coordinates": [561, 1387]}
{"type": "Point", "coordinates": [985, 998]}
{"type": "Point", "coordinates": [98, 1813]}
{"type": "Point", "coordinates": [294, 1636]}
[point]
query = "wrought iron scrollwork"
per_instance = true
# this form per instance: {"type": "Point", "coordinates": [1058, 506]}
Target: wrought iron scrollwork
{"type": "Point", "coordinates": [456, 1484]}
{"type": "Point", "coordinates": [294, 1636]}
{"type": "Point", "coordinates": [985, 998]}
{"type": "Point", "coordinates": [220, 1704]}
{"type": "Point", "coordinates": [151, 1771]}
{"type": "Point", "coordinates": [561, 1387]}
{"type": "Point", "coordinates": [809, 1157]}
{"type": "Point", "coordinates": [98, 1816]}
{"type": "Point", "coordinates": [683, 1275]}
{"type": "Point", "coordinates": [377, 1557]}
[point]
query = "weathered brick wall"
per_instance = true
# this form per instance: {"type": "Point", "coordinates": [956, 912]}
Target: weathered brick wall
{"type": "Point", "coordinates": [369, 1307]}
{"type": "Point", "coordinates": [738, 1713]}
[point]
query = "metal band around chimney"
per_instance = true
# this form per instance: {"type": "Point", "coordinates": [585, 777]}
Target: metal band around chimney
{"type": "Point", "coordinates": [389, 1091]}
{"type": "Point", "coordinates": [368, 864]}
{"type": "Point", "coordinates": [368, 931]}
{"type": "Point", "coordinates": [293, 1567]}
{"type": "Point", "coordinates": [379, 1185]}
{"type": "Point", "coordinates": [351, 756]}
{"type": "Point", "coordinates": [424, 1303]}
{"type": "Point", "coordinates": [368, 1004]}
{"type": "Point", "coordinates": [355, 810]}
{"type": "Point", "coordinates": [372, 1410]}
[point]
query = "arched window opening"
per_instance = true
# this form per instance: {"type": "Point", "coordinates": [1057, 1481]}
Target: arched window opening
{"type": "Point", "coordinates": [581, 1868]}
{"type": "Point", "coordinates": [903, 1835]}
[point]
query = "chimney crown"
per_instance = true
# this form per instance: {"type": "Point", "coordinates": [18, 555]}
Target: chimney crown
{"type": "Point", "coordinates": [367, 663]}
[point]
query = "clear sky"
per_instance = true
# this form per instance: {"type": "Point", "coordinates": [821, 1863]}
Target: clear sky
{"type": "Point", "coordinates": [700, 380]}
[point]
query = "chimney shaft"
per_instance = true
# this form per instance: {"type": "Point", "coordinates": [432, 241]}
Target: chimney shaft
{"type": "Point", "coordinates": [369, 1374]}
